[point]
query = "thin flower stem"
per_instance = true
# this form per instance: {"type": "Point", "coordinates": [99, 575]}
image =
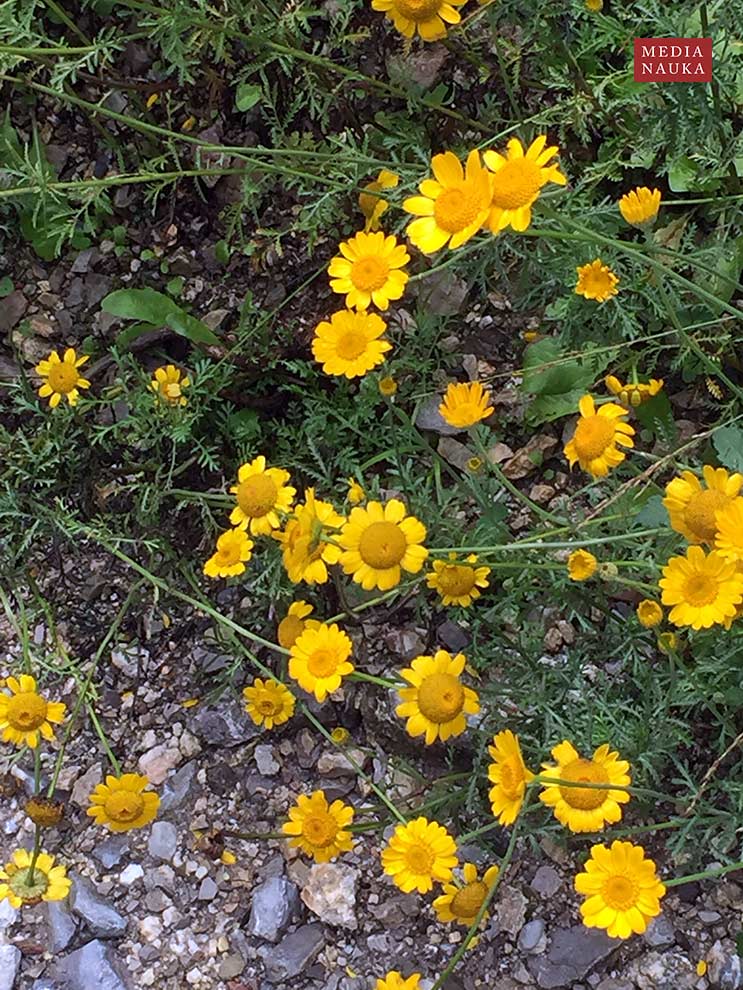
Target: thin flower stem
{"type": "Point", "coordinates": [567, 545]}
{"type": "Point", "coordinates": [357, 675]}
{"type": "Point", "coordinates": [509, 485]}
{"type": "Point", "coordinates": [104, 741]}
{"type": "Point", "coordinates": [34, 855]}
{"type": "Point", "coordinates": [55, 50]}
{"type": "Point", "coordinates": [718, 871]}
{"type": "Point", "coordinates": [37, 771]}
{"type": "Point", "coordinates": [122, 180]}
{"type": "Point", "coordinates": [542, 779]}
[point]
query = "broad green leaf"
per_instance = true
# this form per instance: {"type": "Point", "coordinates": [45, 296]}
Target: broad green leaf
{"type": "Point", "coordinates": [140, 304]}
{"type": "Point", "coordinates": [728, 442]}
{"type": "Point", "coordinates": [6, 286]}
{"type": "Point", "coordinates": [188, 326]}
{"type": "Point", "coordinates": [653, 513]}
{"type": "Point", "coordinates": [131, 333]}
{"type": "Point", "coordinates": [247, 96]}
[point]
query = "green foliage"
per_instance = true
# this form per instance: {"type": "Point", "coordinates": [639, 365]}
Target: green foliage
{"type": "Point", "coordinates": [154, 309]}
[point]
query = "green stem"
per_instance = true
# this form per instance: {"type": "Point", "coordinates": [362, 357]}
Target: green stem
{"type": "Point", "coordinates": [34, 855]}
{"type": "Point", "coordinates": [509, 485]}
{"type": "Point", "coordinates": [104, 741]}
{"type": "Point", "coordinates": [718, 871]}
{"type": "Point", "coordinates": [57, 50]}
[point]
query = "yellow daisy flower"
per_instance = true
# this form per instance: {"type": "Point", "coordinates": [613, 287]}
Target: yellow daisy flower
{"type": "Point", "coordinates": [668, 643]}
{"type": "Point", "coordinates": [458, 584]}
{"type": "Point", "coordinates": [428, 17]}
{"type": "Point", "coordinates": [649, 613]}
{"type": "Point", "coordinates": [319, 659]}
{"type": "Point", "coordinates": [268, 703]}
{"type": "Point", "coordinates": [633, 394]}
{"type": "Point", "coordinates": [368, 270]}
{"type": "Point", "coordinates": [394, 980]}
{"type": "Point", "coordinates": [387, 386]}
{"type": "Point", "coordinates": [123, 803]}
{"type": "Point", "coordinates": [294, 624]}
{"type": "Point", "coordinates": [586, 809]}
{"type": "Point", "coordinates": [419, 854]}
{"type": "Point", "coordinates": [25, 715]}
{"type": "Point", "coordinates": [44, 812]}
{"type": "Point", "coordinates": [640, 206]}
{"type": "Point", "coordinates": [437, 702]}
{"type": "Point", "coordinates": [509, 775]}
{"type": "Point", "coordinates": [262, 493]}
{"type": "Point", "coordinates": [596, 281]}
{"type": "Point", "coordinates": [356, 494]}
{"type": "Point", "coordinates": [373, 205]}
{"type": "Point", "coordinates": [519, 178]}
{"type": "Point", "coordinates": [594, 6]}
{"type": "Point", "coordinates": [581, 565]}
{"type": "Point", "coordinates": [465, 403]}
{"type": "Point", "coordinates": [304, 540]}
{"type": "Point", "coordinates": [168, 385]}
{"type": "Point", "coordinates": [340, 735]}
{"type": "Point", "coordinates": [594, 444]}
{"type": "Point", "coordinates": [319, 829]}
{"type": "Point", "coordinates": [693, 508]}
{"type": "Point", "coordinates": [622, 889]}
{"type": "Point", "coordinates": [379, 542]}
{"type": "Point", "coordinates": [349, 345]}
{"type": "Point", "coordinates": [462, 903]}
{"type": "Point", "coordinates": [453, 206]}
{"type": "Point", "coordinates": [704, 589]}
{"type": "Point", "coordinates": [729, 535]}
{"type": "Point", "coordinates": [48, 883]}
{"type": "Point", "coordinates": [62, 377]}
{"type": "Point", "coordinates": [234, 549]}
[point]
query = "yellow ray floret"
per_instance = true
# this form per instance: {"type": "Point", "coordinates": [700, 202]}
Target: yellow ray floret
{"type": "Point", "coordinates": [25, 715]}
{"type": "Point", "coordinates": [464, 404]}
{"type": "Point", "coordinates": [371, 204]}
{"type": "Point", "coordinates": [621, 888]}
{"type": "Point", "coordinates": [306, 544]}
{"type": "Point", "coordinates": [426, 17]}
{"type": "Point", "coordinates": [598, 436]}
{"type": "Point", "coordinates": [47, 882]}
{"type": "Point", "coordinates": [168, 385]}
{"type": "Point", "coordinates": [369, 270]}
{"type": "Point", "coordinates": [123, 803]}
{"type": "Point", "coordinates": [586, 809]}
{"type": "Point", "coordinates": [319, 829]}
{"type": "Point", "coordinates": [319, 659]}
{"type": "Point", "coordinates": [704, 589]}
{"type": "Point", "coordinates": [268, 703]}
{"type": "Point", "coordinates": [509, 776]}
{"type": "Point", "coordinates": [419, 854]}
{"type": "Point", "coordinates": [234, 549]}
{"type": "Point", "coordinates": [379, 542]}
{"type": "Point", "coordinates": [350, 344]}
{"type": "Point", "coordinates": [458, 583]}
{"type": "Point", "coordinates": [62, 378]}
{"type": "Point", "coordinates": [437, 703]}
{"type": "Point", "coordinates": [462, 903]}
{"type": "Point", "coordinates": [262, 495]}
{"type": "Point", "coordinates": [693, 506]}
{"type": "Point", "coordinates": [518, 179]}
{"type": "Point", "coordinates": [596, 281]}
{"type": "Point", "coordinates": [640, 206]}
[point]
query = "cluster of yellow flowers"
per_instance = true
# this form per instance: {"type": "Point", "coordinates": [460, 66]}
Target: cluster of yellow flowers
{"type": "Point", "coordinates": [121, 803]}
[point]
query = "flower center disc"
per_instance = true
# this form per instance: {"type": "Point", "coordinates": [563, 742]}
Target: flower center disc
{"type": "Point", "coordinates": [700, 513]}
{"type": "Point", "coordinates": [511, 778]}
{"type": "Point", "coordinates": [268, 707]}
{"type": "Point", "coordinates": [351, 345]}
{"type": "Point", "coordinates": [468, 900]}
{"type": "Point", "coordinates": [584, 771]}
{"type": "Point", "coordinates": [256, 495]}
{"type": "Point", "coordinates": [322, 663]}
{"type": "Point", "coordinates": [455, 209]}
{"type": "Point", "coordinates": [455, 580]}
{"type": "Point", "coordinates": [19, 884]}
{"type": "Point", "coordinates": [441, 697]}
{"type": "Point", "coordinates": [419, 859]}
{"type": "Point", "coordinates": [26, 711]}
{"type": "Point", "coordinates": [516, 184]}
{"type": "Point", "coordinates": [620, 893]}
{"type": "Point", "coordinates": [418, 10]}
{"type": "Point", "coordinates": [699, 590]}
{"type": "Point", "coordinates": [124, 806]}
{"type": "Point", "coordinates": [319, 830]}
{"type": "Point", "coordinates": [369, 274]}
{"type": "Point", "coordinates": [230, 554]}
{"type": "Point", "coordinates": [382, 545]}
{"type": "Point", "coordinates": [62, 377]}
{"type": "Point", "coordinates": [592, 436]}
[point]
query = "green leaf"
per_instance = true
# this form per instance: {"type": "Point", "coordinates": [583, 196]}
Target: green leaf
{"type": "Point", "coordinates": [188, 326]}
{"type": "Point", "coordinates": [131, 333]}
{"type": "Point", "coordinates": [140, 304]}
{"type": "Point", "coordinates": [6, 286]}
{"type": "Point", "coordinates": [728, 442]}
{"type": "Point", "coordinates": [656, 415]}
{"type": "Point", "coordinates": [652, 514]}
{"type": "Point", "coordinates": [247, 96]}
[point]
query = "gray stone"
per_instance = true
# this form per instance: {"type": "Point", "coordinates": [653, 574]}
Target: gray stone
{"type": "Point", "coordinates": [330, 893]}
{"type": "Point", "coordinates": [110, 852]}
{"type": "Point", "coordinates": [12, 310]}
{"type": "Point", "coordinates": [227, 725]}
{"type": "Point", "coordinates": [510, 910]}
{"type": "Point", "coordinates": [293, 953]}
{"type": "Point", "coordinates": [724, 967]}
{"type": "Point", "coordinates": [664, 970]}
{"type": "Point", "coordinates": [265, 761]}
{"type": "Point", "coordinates": [163, 841]}
{"type": "Point", "coordinates": [532, 938]}
{"type": "Point", "coordinates": [428, 417]}
{"type": "Point", "coordinates": [85, 261]}
{"type": "Point", "coordinates": [130, 874]}
{"type": "Point", "coordinates": [231, 966]}
{"type": "Point", "coordinates": [178, 788]}
{"type": "Point", "coordinates": [659, 932]}
{"type": "Point", "coordinates": [62, 925]}
{"type": "Point", "coordinates": [546, 881]}
{"type": "Point", "coordinates": [103, 920]}
{"type": "Point", "coordinates": [610, 983]}
{"type": "Point", "coordinates": [709, 917]}
{"type": "Point", "coordinates": [337, 763]}
{"type": "Point", "coordinates": [91, 967]}
{"type": "Point", "coordinates": [274, 904]}
{"type": "Point", "coordinates": [85, 785]}
{"type": "Point", "coordinates": [8, 914]}
{"type": "Point", "coordinates": [10, 962]}
{"type": "Point", "coordinates": [208, 889]}
{"type": "Point", "coordinates": [572, 955]}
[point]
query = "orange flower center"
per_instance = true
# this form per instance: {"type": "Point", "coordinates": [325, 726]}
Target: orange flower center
{"type": "Point", "coordinates": [620, 893]}
{"type": "Point", "coordinates": [124, 806]}
{"type": "Point", "coordinates": [419, 858]}
{"type": "Point", "coordinates": [269, 706]}
{"type": "Point", "coordinates": [26, 711]}
{"type": "Point", "coordinates": [454, 209]}
{"type": "Point", "coordinates": [511, 779]}
{"type": "Point", "coordinates": [256, 496]}
{"type": "Point", "coordinates": [516, 184]}
{"type": "Point", "coordinates": [699, 514]}
{"type": "Point", "coordinates": [468, 901]}
{"type": "Point", "coordinates": [584, 771]}
{"type": "Point", "coordinates": [418, 10]}
{"type": "Point", "coordinates": [382, 545]}
{"type": "Point", "coordinates": [593, 435]}
{"type": "Point", "coordinates": [440, 697]}
{"type": "Point", "coordinates": [62, 377]}
{"type": "Point", "coordinates": [290, 629]}
{"type": "Point", "coordinates": [322, 663]}
{"type": "Point", "coordinates": [700, 590]}
{"type": "Point", "coordinates": [597, 281]}
{"type": "Point", "coordinates": [351, 345]}
{"type": "Point", "coordinates": [456, 580]}
{"type": "Point", "coordinates": [319, 829]}
{"type": "Point", "coordinates": [369, 274]}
